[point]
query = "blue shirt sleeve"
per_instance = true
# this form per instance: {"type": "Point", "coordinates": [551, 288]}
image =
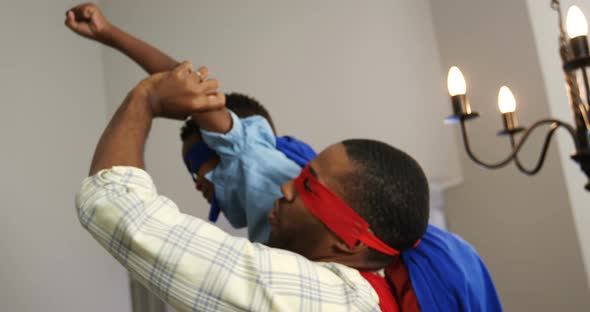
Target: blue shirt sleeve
{"type": "Point", "coordinates": [250, 173]}
{"type": "Point", "coordinates": [252, 130]}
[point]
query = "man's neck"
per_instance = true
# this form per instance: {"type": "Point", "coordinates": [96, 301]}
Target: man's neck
{"type": "Point", "coordinates": [359, 263]}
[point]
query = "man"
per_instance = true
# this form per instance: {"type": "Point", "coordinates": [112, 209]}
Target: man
{"type": "Point", "coordinates": [195, 266]}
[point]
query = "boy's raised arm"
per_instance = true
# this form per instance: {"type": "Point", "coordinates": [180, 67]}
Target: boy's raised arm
{"type": "Point", "coordinates": [88, 21]}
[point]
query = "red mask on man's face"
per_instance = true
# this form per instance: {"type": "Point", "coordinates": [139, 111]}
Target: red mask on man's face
{"type": "Point", "coordinates": [336, 214]}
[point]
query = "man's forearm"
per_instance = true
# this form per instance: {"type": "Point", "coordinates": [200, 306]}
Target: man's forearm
{"type": "Point", "coordinates": [122, 142]}
{"type": "Point", "coordinates": [148, 57]}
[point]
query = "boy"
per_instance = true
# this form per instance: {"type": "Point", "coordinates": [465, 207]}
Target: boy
{"type": "Point", "coordinates": [240, 172]}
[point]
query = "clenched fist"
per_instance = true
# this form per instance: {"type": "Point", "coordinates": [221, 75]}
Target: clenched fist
{"type": "Point", "coordinates": [87, 21]}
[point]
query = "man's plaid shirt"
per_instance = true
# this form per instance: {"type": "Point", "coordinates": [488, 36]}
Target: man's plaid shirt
{"type": "Point", "coordinates": [195, 266]}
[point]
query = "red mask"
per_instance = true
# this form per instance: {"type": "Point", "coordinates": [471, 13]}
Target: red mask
{"type": "Point", "coordinates": [336, 214]}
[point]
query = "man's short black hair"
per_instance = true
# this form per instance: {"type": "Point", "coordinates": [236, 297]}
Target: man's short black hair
{"type": "Point", "coordinates": [242, 105]}
{"type": "Point", "coordinates": [389, 190]}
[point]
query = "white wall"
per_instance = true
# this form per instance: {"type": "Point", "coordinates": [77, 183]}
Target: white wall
{"type": "Point", "coordinates": [53, 110]}
{"type": "Point", "coordinates": [543, 22]}
{"type": "Point", "coordinates": [326, 70]}
{"type": "Point", "coordinates": [523, 227]}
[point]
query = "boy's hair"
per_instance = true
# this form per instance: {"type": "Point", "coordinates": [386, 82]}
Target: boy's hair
{"type": "Point", "coordinates": [242, 105]}
{"type": "Point", "coordinates": [389, 190]}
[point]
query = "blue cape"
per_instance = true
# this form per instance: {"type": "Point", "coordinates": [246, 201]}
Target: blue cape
{"type": "Point", "coordinates": [296, 150]}
{"type": "Point", "coordinates": [448, 275]}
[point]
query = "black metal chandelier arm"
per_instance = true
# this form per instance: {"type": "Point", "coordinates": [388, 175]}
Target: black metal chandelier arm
{"type": "Point", "coordinates": [541, 161]}
{"type": "Point", "coordinates": [518, 147]}
{"type": "Point", "coordinates": [474, 158]}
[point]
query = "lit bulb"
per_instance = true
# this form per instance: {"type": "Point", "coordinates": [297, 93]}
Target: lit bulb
{"type": "Point", "coordinates": [576, 23]}
{"type": "Point", "coordinates": [506, 101]}
{"type": "Point", "coordinates": [456, 82]}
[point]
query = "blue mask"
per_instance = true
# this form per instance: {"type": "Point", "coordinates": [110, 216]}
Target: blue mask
{"type": "Point", "coordinates": [196, 156]}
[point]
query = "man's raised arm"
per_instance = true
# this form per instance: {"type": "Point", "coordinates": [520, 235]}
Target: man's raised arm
{"type": "Point", "coordinates": [175, 94]}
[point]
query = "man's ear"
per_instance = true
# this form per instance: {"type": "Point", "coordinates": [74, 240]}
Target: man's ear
{"type": "Point", "coordinates": [342, 247]}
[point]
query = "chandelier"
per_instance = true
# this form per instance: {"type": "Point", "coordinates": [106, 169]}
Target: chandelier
{"type": "Point", "coordinates": [575, 56]}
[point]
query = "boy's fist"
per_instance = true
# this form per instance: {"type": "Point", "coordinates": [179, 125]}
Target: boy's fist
{"type": "Point", "coordinates": [87, 20]}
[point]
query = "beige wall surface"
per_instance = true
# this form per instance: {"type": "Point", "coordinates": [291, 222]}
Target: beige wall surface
{"type": "Point", "coordinates": [523, 227]}
{"type": "Point", "coordinates": [53, 110]}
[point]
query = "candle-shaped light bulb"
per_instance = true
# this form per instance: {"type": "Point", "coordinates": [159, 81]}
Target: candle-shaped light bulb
{"type": "Point", "coordinates": [576, 23]}
{"type": "Point", "coordinates": [506, 100]}
{"type": "Point", "coordinates": [456, 82]}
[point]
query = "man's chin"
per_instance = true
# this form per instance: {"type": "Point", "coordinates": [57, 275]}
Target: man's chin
{"type": "Point", "coordinates": [273, 242]}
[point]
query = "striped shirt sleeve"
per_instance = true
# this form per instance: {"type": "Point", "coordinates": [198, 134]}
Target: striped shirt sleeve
{"type": "Point", "coordinates": [195, 266]}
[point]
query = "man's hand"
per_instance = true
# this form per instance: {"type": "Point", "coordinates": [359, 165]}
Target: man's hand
{"type": "Point", "coordinates": [87, 21]}
{"type": "Point", "coordinates": [180, 93]}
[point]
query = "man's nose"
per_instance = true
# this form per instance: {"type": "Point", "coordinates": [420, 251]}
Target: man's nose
{"type": "Point", "coordinates": [288, 190]}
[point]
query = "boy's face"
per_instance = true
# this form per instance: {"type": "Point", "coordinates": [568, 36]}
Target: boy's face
{"type": "Point", "coordinates": [201, 183]}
